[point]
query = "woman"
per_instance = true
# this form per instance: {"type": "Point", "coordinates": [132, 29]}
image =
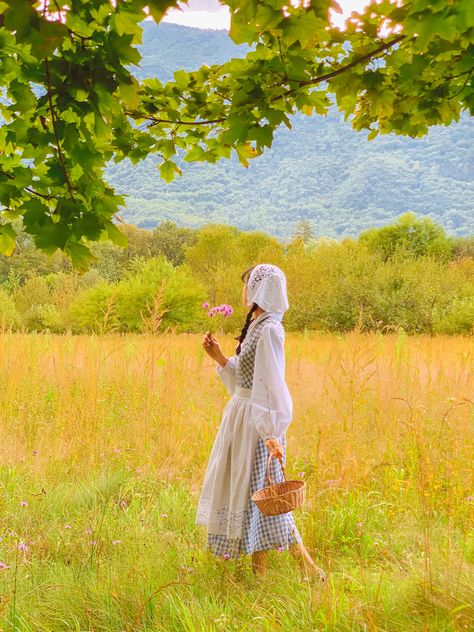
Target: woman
{"type": "Point", "coordinates": [253, 425]}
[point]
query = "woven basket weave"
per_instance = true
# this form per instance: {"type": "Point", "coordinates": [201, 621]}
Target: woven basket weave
{"type": "Point", "coordinates": [279, 498]}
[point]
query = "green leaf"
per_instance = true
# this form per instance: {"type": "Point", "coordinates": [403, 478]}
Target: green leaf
{"type": "Point", "coordinates": [168, 168]}
{"type": "Point", "coordinates": [7, 239]}
{"type": "Point", "coordinates": [80, 255]}
{"type": "Point", "coordinates": [244, 152]}
{"type": "Point", "coordinates": [115, 234]}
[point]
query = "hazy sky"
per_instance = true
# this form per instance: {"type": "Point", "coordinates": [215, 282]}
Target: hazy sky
{"type": "Point", "coordinates": [209, 14]}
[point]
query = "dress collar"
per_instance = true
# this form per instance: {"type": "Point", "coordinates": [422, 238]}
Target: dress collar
{"type": "Point", "coordinates": [278, 315]}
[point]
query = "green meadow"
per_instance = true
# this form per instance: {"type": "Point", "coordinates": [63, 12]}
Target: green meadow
{"type": "Point", "coordinates": [104, 440]}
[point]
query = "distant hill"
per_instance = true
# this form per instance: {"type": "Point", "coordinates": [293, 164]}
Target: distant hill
{"type": "Point", "coordinates": [321, 170]}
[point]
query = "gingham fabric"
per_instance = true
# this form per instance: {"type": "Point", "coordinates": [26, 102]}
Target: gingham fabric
{"type": "Point", "coordinates": [260, 532]}
{"type": "Point", "coordinates": [246, 358]}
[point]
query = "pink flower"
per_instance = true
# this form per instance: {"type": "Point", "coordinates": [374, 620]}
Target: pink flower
{"type": "Point", "coordinates": [67, 526]}
{"type": "Point", "coordinates": [22, 546]}
{"type": "Point", "coordinates": [115, 542]}
{"type": "Point", "coordinates": [24, 503]}
{"type": "Point", "coordinates": [164, 515]}
{"type": "Point", "coordinates": [205, 305]}
{"type": "Point", "coordinates": [301, 474]}
{"type": "Point", "coordinates": [3, 566]}
{"type": "Point", "coordinates": [123, 504]}
{"type": "Point", "coordinates": [280, 548]}
{"type": "Point", "coordinates": [225, 310]}
{"type": "Point", "coordinates": [226, 556]}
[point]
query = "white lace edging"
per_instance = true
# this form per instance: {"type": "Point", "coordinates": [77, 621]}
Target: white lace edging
{"type": "Point", "coordinates": [221, 521]}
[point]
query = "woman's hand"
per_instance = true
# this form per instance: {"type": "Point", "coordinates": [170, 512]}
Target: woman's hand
{"type": "Point", "coordinates": [212, 348]}
{"type": "Point", "coordinates": [275, 447]}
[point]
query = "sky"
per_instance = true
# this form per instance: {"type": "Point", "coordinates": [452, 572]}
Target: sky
{"type": "Point", "coordinates": [209, 14]}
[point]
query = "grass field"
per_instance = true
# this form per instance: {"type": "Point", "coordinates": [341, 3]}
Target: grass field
{"type": "Point", "coordinates": [103, 445]}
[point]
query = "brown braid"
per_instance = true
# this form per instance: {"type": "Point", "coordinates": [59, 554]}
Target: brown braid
{"type": "Point", "coordinates": [243, 333]}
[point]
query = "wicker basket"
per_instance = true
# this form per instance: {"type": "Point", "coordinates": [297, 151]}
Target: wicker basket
{"type": "Point", "coordinates": [279, 498]}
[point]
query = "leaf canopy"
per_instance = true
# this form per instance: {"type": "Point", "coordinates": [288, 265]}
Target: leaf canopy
{"type": "Point", "coordinates": [70, 102]}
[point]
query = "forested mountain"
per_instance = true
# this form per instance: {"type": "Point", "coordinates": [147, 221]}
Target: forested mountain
{"type": "Point", "coordinates": [321, 170]}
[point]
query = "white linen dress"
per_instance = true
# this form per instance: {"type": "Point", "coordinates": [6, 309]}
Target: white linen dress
{"type": "Point", "coordinates": [260, 408]}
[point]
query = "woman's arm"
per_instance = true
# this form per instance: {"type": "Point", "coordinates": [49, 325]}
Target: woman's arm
{"type": "Point", "coordinates": [226, 367]}
{"type": "Point", "coordinates": [272, 406]}
{"type": "Point", "coordinates": [227, 373]}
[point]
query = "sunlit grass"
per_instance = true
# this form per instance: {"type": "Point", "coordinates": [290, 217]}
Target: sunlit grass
{"type": "Point", "coordinates": [103, 444]}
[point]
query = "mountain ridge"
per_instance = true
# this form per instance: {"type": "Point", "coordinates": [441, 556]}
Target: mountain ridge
{"type": "Point", "coordinates": [322, 170]}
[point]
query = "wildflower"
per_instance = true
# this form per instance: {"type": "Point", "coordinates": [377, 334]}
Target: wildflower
{"type": "Point", "coordinates": [360, 525]}
{"type": "Point", "coordinates": [22, 546]}
{"type": "Point", "coordinates": [123, 504]}
{"type": "Point", "coordinates": [301, 474]}
{"type": "Point", "coordinates": [470, 499]}
{"type": "Point", "coordinates": [24, 503]}
{"type": "Point", "coordinates": [117, 450]}
{"type": "Point", "coordinates": [115, 542]}
{"type": "Point", "coordinates": [280, 548]}
{"type": "Point", "coordinates": [224, 309]}
{"type": "Point", "coordinates": [186, 569]}
{"type": "Point", "coordinates": [205, 305]}
{"type": "Point", "coordinates": [164, 515]}
{"type": "Point", "coordinates": [67, 526]}
{"type": "Point", "coordinates": [226, 556]}
{"type": "Point", "coordinates": [3, 566]}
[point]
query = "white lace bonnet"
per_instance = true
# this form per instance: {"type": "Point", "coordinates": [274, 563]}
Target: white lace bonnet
{"type": "Point", "coordinates": [267, 287]}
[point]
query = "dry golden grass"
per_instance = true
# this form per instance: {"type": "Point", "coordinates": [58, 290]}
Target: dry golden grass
{"type": "Point", "coordinates": [383, 431]}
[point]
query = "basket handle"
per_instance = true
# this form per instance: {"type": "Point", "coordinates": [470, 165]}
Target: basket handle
{"type": "Point", "coordinates": [267, 473]}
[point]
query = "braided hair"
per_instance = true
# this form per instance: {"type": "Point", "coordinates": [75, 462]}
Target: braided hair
{"type": "Point", "coordinates": [248, 320]}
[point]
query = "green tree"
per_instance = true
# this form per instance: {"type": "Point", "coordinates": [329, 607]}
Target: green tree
{"type": "Point", "coordinates": [171, 240]}
{"type": "Point", "coordinates": [151, 289]}
{"type": "Point", "coordinates": [417, 237]}
{"type": "Point", "coordinates": [303, 231]}
{"type": "Point", "coordinates": [71, 103]}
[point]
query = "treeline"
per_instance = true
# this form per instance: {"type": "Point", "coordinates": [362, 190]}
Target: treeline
{"type": "Point", "coordinates": [406, 276]}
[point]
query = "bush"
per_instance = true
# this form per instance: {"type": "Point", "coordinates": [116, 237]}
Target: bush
{"type": "Point", "coordinates": [44, 317]}
{"type": "Point", "coordinates": [9, 316]}
{"type": "Point", "coordinates": [151, 292]}
{"type": "Point", "coordinates": [457, 319]}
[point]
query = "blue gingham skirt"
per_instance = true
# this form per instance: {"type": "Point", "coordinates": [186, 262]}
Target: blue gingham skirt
{"type": "Point", "coordinates": [260, 532]}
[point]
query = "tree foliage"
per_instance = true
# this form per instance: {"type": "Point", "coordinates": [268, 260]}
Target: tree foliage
{"type": "Point", "coordinates": [333, 285]}
{"type": "Point", "coordinates": [410, 234]}
{"type": "Point", "coordinates": [71, 102]}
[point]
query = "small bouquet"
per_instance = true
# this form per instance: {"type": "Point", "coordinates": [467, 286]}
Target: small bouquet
{"type": "Point", "coordinates": [224, 310]}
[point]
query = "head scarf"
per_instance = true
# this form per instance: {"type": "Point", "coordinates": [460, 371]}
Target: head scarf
{"type": "Point", "coordinates": [267, 287]}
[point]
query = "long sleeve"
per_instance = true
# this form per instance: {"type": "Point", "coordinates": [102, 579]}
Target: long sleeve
{"type": "Point", "coordinates": [272, 406]}
{"type": "Point", "coordinates": [227, 373]}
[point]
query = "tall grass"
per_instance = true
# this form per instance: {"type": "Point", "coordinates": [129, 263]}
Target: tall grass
{"type": "Point", "coordinates": [103, 445]}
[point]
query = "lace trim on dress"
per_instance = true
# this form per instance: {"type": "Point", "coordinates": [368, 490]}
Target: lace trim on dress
{"type": "Point", "coordinates": [229, 523]}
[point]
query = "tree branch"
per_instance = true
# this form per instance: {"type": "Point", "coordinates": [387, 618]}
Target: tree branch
{"type": "Point", "coordinates": [55, 130]}
{"type": "Point", "coordinates": [338, 71]}
{"type": "Point", "coordinates": [29, 189]}
{"type": "Point", "coordinates": [302, 82]}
